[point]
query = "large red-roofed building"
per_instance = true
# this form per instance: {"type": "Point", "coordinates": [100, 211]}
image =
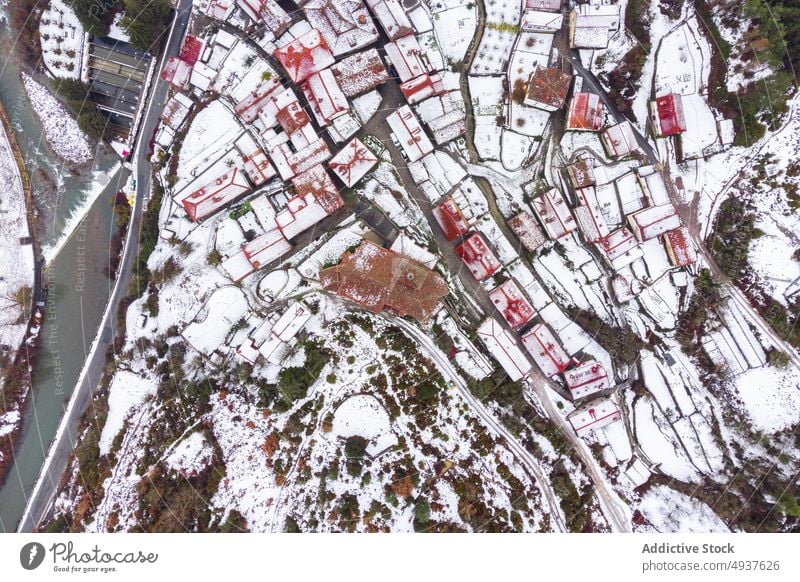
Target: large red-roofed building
{"type": "Point", "coordinates": [548, 88]}
{"type": "Point", "coordinates": [360, 72]}
{"type": "Point", "coordinates": [382, 280]}
{"type": "Point", "coordinates": [586, 112]}
{"type": "Point", "coordinates": [191, 50]}
{"type": "Point", "coordinates": [317, 182]}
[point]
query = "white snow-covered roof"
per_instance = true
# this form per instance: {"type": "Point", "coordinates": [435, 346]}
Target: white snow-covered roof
{"type": "Point", "coordinates": [353, 162]}
{"type": "Point", "coordinates": [546, 350]}
{"type": "Point", "coordinates": [587, 379]}
{"type": "Point", "coordinates": [504, 349]}
{"type": "Point", "coordinates": [554, 214]}
{"type": "Point", "coordinates": [594, 415]}
{"type": "Point", "coordinates": [346, 25]}
{"type": "Point", "coordinates": [409, 133]}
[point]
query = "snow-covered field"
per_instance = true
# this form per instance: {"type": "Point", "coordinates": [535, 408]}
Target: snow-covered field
{"type": "Point", "coordinates": [16, 260]}
{"type": "Point", "coordinates": [61, 36]}
{"type": "Point", "coordinates": [61, 131]}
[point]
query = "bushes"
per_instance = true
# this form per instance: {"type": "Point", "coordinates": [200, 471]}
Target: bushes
{"type": "Point", "coordinates": [95, 16]}
{"type": "Point", "coordinates": [145, 21]}
{"type": "Point", "coordinates": [293, 383]}
{"type": "Point", "coordinates": [734, 230]}
{"type": "Point", "coordinates": [355, 447]}
{"type": "Point", "coordinates": [76, 96]}
{"type": "Point", "coordinates": [25, 16]}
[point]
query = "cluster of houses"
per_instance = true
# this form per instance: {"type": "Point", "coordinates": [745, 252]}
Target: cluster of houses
{"type": "Point", "coordinates": [297, 151]}
{"type": "Point", "coordinates": [615, 215]}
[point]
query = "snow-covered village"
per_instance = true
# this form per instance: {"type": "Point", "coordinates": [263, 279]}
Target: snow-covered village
{"type": "Point", "coordinates": [421, 265]}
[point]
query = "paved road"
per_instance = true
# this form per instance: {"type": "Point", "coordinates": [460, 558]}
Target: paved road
{"type": "Point", "coordinates": [61, 448]}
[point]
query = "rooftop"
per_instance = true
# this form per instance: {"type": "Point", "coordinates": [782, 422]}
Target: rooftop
{"type": "Point", "coordinates": [379, 280]}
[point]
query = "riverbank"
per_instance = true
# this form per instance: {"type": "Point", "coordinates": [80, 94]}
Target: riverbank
{"type": "Point", "coordinates": [28, 299]}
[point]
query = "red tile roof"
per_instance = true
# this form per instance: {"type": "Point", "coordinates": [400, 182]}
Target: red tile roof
{"type": "Point", "coordinates": [191, 49]}
{"type": "Point", "coordinates": [512, 304]}
{"type": "Point", "coordinates": [305, 56]}
{"type": "Point", "coordinates": [586, 112]}
{"type": "Point", "coordinates": [670, 115]}
{"type": "Point", "coordinates": [478, 257]}
{"type": "Point", "coordinates": [450, 218]}
{"type": "Point", "coordinates": [382, 280]}
{"type": "Point", "coordinates": [215, 195]}
{"type": "Point", "coordinates": [679, 247]}
{"type": "Point", "coordinates": [360, 72]}
{"type": "Point", "coordinates": [548, 88]}
{"type": "Point", "coordinates": [318, 182]}
{"type": "Point", "coordinates": [527, 230]}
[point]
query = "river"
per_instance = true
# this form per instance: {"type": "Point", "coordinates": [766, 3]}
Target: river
{"type": "Point", "coordinates": [77, 233]}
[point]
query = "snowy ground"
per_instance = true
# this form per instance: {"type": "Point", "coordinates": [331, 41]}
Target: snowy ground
{"type": "Point", "coordinates": [61, 37]}
{"type": "Point", "coordinates": [16, 266]}
{"type": "Point", "coordinates": [61, 130]}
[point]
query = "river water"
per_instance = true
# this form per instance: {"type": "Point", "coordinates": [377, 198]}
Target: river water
{"type": "Point", "coordinates": [76, 237]}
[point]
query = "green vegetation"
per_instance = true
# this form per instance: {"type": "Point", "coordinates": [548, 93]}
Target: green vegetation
{"type": "Point", "coordinates": [293, 383]}
{"type": "Point", "coordinates": [734, 230]}
{"type": "Point", "coordinates": [240, 210]}
{"type": "Point", "coordinates": [76, 96]}
{"type": "Point", "coordinates": [422, 514]}
{"type": "Point", "coordinates": [355, 447]}
{"type": "Point", "coordinates": [778, 359]}
{"type": "Point", "coordinates": [96, 17]}
{"type": "Point", "coordinates": [214, 258]}
{"type": "Point", "coordinates": [24, 16]}
{"type": "Point", "coordinates": [620, 342]}
{"type": "Point", "coordinates": [503, 27]}
{"type": "Point", "coordinates": [574, 504]}
{"type": "Point", "coordinates": [773, 39]}
{"type": "Point", "coordinates": [624, 80]}
{"type": "Point", "coordinates": [146, 21]}
{"type": "Point", "coordinates": [691, 326]}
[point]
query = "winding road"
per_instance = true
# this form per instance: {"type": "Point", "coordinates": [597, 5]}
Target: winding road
{"type": "Point", "coordinates": [61, 448]}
